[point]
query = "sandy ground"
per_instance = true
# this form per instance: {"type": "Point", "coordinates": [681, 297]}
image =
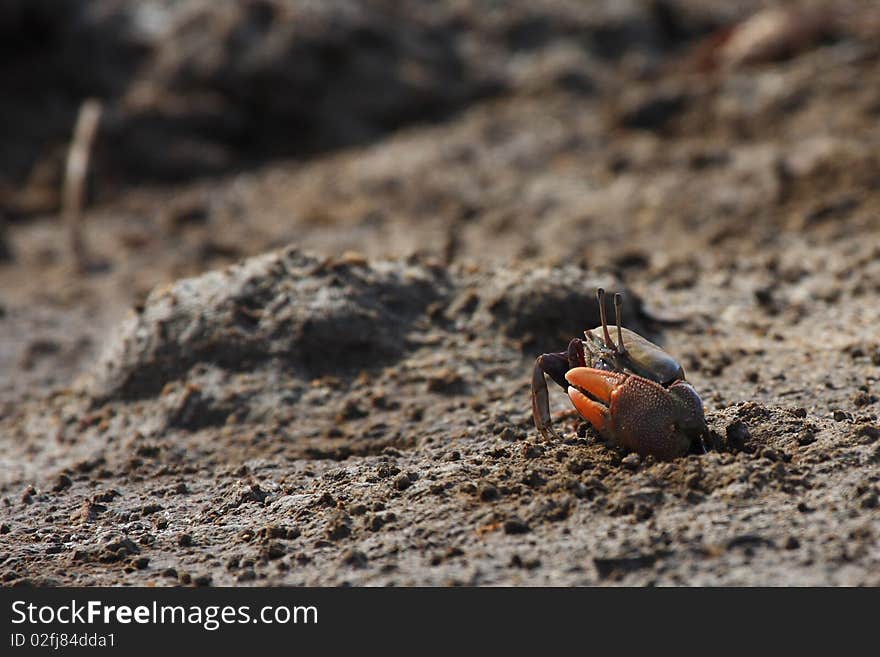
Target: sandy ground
{"type": "Point", "coordinates": [313, 368]}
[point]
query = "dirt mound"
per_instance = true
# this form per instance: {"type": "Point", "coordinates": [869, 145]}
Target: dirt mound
{"type": "Point", "coordinates": [313, 315]}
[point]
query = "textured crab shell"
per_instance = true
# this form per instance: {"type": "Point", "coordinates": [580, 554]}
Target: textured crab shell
{"type": "Point", "coordinates": [642, 357]}
{"type": "Point", "coordinates": [644, 418]}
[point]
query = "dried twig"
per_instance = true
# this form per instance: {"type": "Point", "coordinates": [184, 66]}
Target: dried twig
{"type": "Point", "coordinates": [76, 177]}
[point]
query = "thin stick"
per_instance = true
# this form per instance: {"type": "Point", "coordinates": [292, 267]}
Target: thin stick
{"type": "Point", "coordinates": [75, 179]}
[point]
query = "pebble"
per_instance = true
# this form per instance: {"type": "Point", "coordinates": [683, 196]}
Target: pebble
{"type": "Point", "coordinates": [516, 526]}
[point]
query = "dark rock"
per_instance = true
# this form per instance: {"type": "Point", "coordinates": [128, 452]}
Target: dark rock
{"type": "Point", "coordinates": [339, 528]}
{"type": "Point", "coordinates": [488, 492]}
{"type": "Point", "coordinates": [738, 435]}
{"type": "Point", "coordinates": [402, 481]}
{"type": "Point", "coordinates": [516, 526]}
{"type": "Point", "coordinates": [62, 483]}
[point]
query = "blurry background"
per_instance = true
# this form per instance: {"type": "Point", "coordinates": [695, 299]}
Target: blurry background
{"type": "Point", "coordinates": [332, 418]}
{"type": "Point", "coordinates": [643, 135]}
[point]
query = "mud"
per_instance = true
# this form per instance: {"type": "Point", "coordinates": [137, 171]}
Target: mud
{"type": "Point", "coordinates": [316, 370]}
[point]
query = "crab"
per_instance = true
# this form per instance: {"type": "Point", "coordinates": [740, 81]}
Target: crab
{"type": "Point", "coordinates": [632, 392]}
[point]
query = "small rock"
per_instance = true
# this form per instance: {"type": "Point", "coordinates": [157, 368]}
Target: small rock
{"type": "Point", "coordinates": [62, 483]}
{"type": "Point", "coordinates": [510, 435]}
{"type": "Point", "coordinates": [806, 437]}
{"type": "Point", "coordinates": [402, 481]}
{"type": "Point", "coordinates": [27, 497]}
{"type": "Point", "coordinates": [869, 501]}
{"type": "Point", "coordinates": [516, 526]}
{"type": "Point", "coordinates": [202, 580]}
{"type": "Point", "coordinates": [488, 492]}
{"type": "Point", "coordinates": [355, 558]}
{"type": "Point", "coordinates": [764, 297]}
{"type": "Point", "coordinates": [631, 461]}
{"type": "Point", "coordinates": [446, 382]}
{"type": "Point", "coordinates": [351, 411]}
{"type": "Point", "coordinates": [738, 435]}
{"type": "Point", "coordinates": [533, 479]}
{"type": "Point", "coordinates": [326, 500]}
{"type": "Point", "coordinates": [386, 470]}
{"type": "Point", "coordinates": [339, 528]}
{"type": "Point", "coordinates": [863, 398]}
{"type": "Point", "coordinates": [770, 454]}
{"type": "Point", "coordinates": [272, 551]}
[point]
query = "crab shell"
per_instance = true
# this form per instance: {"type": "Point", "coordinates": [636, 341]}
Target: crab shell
{"type": "Point", "coordinates": [640, 356]}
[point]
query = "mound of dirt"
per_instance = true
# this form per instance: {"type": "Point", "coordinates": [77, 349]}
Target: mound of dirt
{"type": "Point", "coordinates": [314, 316]}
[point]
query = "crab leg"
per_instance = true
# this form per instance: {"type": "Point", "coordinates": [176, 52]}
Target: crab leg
{"type": "Point", "coordinates": [541, 398]}
{"type": "Point", "coordinates": [575, 353]}
{"type": "Point", "coordinates": [554, 365]}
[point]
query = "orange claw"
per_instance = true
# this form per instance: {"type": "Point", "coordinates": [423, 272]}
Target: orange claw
{"type": "Point", "coordinates": [636, 413]}
{"type": "Point", "coordinates": [599, 383]}
{"type": "Point", "coordinates": [592, 411]}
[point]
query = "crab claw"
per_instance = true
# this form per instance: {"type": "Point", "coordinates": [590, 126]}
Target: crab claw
{"type": "Point", "coordinates": [637, 413]}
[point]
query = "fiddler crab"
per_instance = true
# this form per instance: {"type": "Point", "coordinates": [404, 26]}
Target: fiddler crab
{"type": "Point", "coordinates": [632, 392]}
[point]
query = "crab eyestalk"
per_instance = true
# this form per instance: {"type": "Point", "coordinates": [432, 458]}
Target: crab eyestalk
{"type": "Point", "coordinates": [609, 343]}
{"type": "Point", "coordinates": [618, 304]}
